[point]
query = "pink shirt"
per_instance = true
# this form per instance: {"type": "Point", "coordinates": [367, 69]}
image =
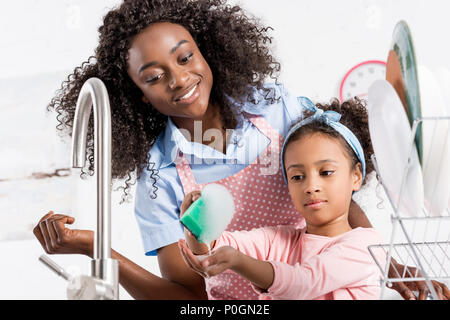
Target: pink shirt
{"type": "Point", "coordinates": [312, 267]}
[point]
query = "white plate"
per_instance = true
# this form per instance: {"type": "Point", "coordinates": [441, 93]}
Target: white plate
{"type": "Point", "coordinates": [390, 132]}
{"type": "Point", "coordinates": [436, 139]}
{"type": "Point", "coordinates": [444, 80]}
{"type": "Point", "coordinates": [443, 76]}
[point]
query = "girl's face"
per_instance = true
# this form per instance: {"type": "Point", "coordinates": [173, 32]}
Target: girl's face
{"type": "Point", "coordinates": [166, 64]}
{"type": "Point", "coordinates": [320, 178]}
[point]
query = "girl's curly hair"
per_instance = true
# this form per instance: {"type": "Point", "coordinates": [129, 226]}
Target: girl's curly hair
{"type": "Point", "coordinates": [235, 46]}
{"type": "Point", "coordinates": [355, 117]}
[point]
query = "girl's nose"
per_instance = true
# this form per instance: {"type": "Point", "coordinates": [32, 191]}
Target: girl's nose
{"type": "Point", "coordinates": [312, 187]}
{"type": "Point", "coordinates": [312, 190]}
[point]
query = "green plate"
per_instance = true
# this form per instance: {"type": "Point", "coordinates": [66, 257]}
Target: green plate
{"type": "Point", "coordinates": [403, 46]}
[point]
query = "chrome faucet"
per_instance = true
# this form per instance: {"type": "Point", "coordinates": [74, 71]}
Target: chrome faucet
{"type": "Point", "coordinates": [104, 280]}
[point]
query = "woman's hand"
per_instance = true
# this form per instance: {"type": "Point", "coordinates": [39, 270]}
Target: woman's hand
{"type": "Point", "coordinates": [56, 238]}
{"type": "Point", "coordinates": [222, 259]}
{"type": "Point", "coordinates": [405, 289]}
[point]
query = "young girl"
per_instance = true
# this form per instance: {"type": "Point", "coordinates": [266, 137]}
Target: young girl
{"type": "Point", "coordinates": [189, 106]}
{"type": "Point", "coordinates": [323, 164]}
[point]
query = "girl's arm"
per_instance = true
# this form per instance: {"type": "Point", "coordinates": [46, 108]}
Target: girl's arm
{"type": "Point", "coordinates": [244, 252]}
{"type": "Point", "coordinates": [196, 247]}
{"type": "Point", "coordinates": [260, 273]}
{"type": "Point", "coordinates": [346, 263]}
{"type": "Point", "coordinates": [340, 266]}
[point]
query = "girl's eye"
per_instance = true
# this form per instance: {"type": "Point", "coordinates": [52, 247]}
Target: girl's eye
{"type": "Point", "coordinates": [327, 173]}
{"type": "Point", "coordinates": [154, 79]}
{"type": "Point", "coordinates": [187, 58]}
{"type": "Point", "coordinates": [297, 178]}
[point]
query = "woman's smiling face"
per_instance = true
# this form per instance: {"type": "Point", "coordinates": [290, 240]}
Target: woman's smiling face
{"type": "Point", "coordinates": [320, 178]}
{"type": "Point", "coordinates": [166, 64]}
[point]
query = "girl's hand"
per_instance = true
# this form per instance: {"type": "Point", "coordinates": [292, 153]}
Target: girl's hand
{"type": "Point", "coordinates": [222, 259]}
{"type": "Point", "coordinates": [56, 238]}
{"type": "Point", "coordinates": [196, 247]}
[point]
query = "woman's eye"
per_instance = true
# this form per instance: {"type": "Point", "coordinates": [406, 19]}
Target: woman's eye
{"type": "Point", "coordinates": [187, 58]}
{"type": "Point", "coordinates": [156, 78]}
{"type": "Point", "coordinates": [327, 173]}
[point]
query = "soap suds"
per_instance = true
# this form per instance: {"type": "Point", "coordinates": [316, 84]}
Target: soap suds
{"type": "Point", "coordinates": [219, 210]}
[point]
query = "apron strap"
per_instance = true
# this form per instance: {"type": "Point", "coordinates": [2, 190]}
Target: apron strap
{"type": "Point", "coordinates": [185, 173]}
{"type": "Point", "coordinates": [270, 159]}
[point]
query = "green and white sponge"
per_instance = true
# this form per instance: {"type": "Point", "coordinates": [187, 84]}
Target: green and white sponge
{"type": "Point", "coordinates": [209, 215]}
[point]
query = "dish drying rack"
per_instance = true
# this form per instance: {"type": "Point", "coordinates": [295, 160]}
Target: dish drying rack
{"type": "Point", "coordinates": [421, 241]}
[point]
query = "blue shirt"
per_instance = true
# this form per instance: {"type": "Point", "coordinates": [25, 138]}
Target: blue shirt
{"type": "Point", "coordinates": [158, 218]}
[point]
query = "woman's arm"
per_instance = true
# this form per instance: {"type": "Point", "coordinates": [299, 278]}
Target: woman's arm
{"type": "Point", "coordinates": [357, 217]}
{"type": "Point", "coordinates": [177, 282]}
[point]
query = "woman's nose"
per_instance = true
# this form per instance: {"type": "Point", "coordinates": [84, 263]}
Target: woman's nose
{"type": "Point", "coordinates": [179, 78]}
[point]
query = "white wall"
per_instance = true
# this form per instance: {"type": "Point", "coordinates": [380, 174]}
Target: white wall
{"type": "Point", "coordinates": [317, 41]}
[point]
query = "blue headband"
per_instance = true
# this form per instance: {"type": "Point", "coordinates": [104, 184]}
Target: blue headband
{"type": "Point", "coordinates": [330, 118]}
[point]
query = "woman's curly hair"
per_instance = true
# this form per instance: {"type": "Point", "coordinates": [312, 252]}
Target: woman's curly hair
{"type": "Point", "coordinates": [235, 46]}
{"type": "Point", "coordinates": [354, 116]}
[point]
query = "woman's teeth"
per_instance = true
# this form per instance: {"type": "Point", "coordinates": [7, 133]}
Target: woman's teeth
{"type": "Point", "coordinates": [189, 94]}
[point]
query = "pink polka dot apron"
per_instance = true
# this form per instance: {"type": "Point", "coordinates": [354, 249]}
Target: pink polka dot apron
{"type": "Point", "coordinates": [261, 199]}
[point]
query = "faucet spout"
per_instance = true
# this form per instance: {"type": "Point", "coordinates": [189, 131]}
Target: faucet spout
{"type": "Point", "coordinates": [103, 284]}
{"type": "Point", "coordinates": [94, 93]}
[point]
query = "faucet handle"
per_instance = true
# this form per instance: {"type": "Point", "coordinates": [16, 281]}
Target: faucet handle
{"type": "Point", "coordinates": [52, 265]}
{"type": "Point", "coordinates": [81, 287]}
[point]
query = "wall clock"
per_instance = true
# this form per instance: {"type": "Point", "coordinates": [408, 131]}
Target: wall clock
{"type": "Point", "coordinates": [359, 78]}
